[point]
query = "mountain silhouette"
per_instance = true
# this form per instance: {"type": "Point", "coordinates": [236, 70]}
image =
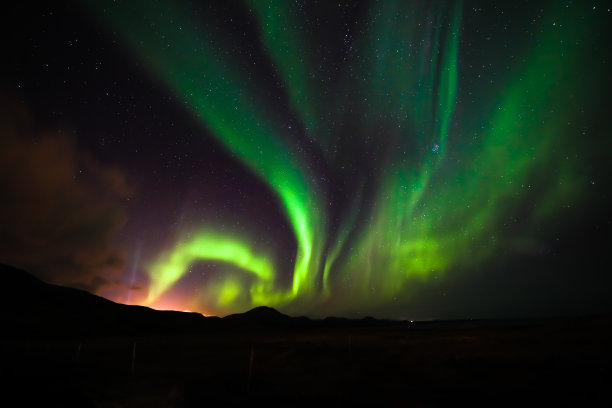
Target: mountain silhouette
{"type": "Point", "coordinates": [30, 306]}
{"type": "Point", "coordinates": [260, 316]}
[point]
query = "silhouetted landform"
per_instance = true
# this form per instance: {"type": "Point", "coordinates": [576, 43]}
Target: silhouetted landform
{"type": "Point", "coordinates": [31, 306]}
{"type": "Point", "coordinates": [259, 316]}
{"type": "Point", "coordinates": [67, 348]}
{"type": "Point", "coordinates": [34, 307]}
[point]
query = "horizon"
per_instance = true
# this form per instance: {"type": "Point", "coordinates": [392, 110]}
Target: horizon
{"type": "Point", "coordinates": [349, 318]}
{"type": "Point", "coordinates": [402, 160]}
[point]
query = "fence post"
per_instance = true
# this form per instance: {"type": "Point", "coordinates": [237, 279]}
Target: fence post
{"type": "Point", "coordinates": [250, 369]}
{"type": "Point", "coordinates": [134, 358]}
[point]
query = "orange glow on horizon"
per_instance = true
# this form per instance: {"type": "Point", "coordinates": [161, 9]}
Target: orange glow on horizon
{"type": "Point", "coordinates": [169, 301]}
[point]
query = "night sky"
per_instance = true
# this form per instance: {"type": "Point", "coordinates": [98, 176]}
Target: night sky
{"type": "Point", "coordinates": [400, 159]}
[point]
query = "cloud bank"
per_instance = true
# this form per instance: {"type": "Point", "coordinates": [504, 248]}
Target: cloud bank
{"type": "Point", "coordinates": [61, 208]}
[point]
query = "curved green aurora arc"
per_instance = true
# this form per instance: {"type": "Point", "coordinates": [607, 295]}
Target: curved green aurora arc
{"type": "Point", "coordinates": [427, 187]}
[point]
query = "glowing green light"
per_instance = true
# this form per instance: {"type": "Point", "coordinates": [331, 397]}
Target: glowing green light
{"type": "Point", "coordinates": [222, 96]}
{"type": "Point", "coordinates": [172, 266]}
{"type": "Point", "coordinates": [430, 186]}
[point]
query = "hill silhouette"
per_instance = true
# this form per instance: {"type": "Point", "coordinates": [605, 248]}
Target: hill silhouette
{"type": "Point", "coordinates": [31, 306]}
{"type": "Point", "coordinates": [261, 315]}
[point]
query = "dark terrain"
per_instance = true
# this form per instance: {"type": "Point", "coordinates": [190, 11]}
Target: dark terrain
{"type": "Point", "coordinates": [65, 347]}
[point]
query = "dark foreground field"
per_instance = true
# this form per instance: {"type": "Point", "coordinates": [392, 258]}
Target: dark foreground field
{"type": "Point", "coordinates": [68, 348]}
{"type": "Point", "coordinates": [562, 361]}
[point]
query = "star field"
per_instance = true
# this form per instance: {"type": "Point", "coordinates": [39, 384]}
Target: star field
{"type": "Point", "coordinates": [396, 158]}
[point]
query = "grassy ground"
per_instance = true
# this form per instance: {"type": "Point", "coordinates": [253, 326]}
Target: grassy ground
{"type": "Point", "coordinates": [481, 363]}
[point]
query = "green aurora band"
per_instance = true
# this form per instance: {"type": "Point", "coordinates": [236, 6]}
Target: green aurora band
{"type": "Point", "coordinates": [416, 210]}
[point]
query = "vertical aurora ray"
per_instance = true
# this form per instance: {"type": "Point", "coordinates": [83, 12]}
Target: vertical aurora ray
{"type": "Point", "coordinates": [190, 63]}
{"type": "Point", "coordinates": [278, 22]}
{"type": "Point", "coordinates": [425, 188]}
{"type": "Point", "coordinates": [447, 214]}
{"type": "Point", "coordinates": [412, 87]}
{"type": "Point", "coordinates": [526, 136]}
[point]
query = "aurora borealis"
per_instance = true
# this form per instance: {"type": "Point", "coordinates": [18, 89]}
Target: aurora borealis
{"type": "Point", "coordinates": [396, 158]}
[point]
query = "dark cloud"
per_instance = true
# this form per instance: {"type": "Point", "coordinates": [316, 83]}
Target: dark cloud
{"type": "Point", "coordinates": [61, 209]}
